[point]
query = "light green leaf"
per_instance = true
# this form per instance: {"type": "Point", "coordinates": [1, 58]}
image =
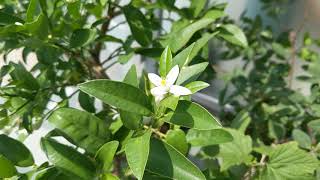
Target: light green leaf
{"type": "Point", "coordinates": [235, 152]}
{"type": "Point", "coordinates": [7, 168]}
{"type": "Point", "coordinates": [165, 62]}
{"type": "Point", "coordinates": [33, 10]}
{"type": "Point", "coordinates": [82, 37]}
{"type": "Point", "coordinates": [241, 121]}
{"type": "Point", "coordinates": [129, 119]}
{"type": "Point", "coordinates": [139, 25]}
{"type": "Point", "coordinates": [315, 125]}
{"type": "Point", "coordinates": [170, 102]}
{"type": "Point", "coordinates": [166, 161]}
{"type": "Point", "coordinates": [178, 39]}
{"type": "Point", "coordinates": [137, 152]}
{"type": "Point", "coordinates": [68, 160]}
{"type": "Point", "coordinates": [105, 155]}
{"type": "Point", "coordinates": [177, 139]}
{"type": "Point", "coordinates": [197, 6]}
{"type": "Point", "coordinates": [118, 94]}
{"type": "Point", "coordinates": [15, 151]}
{"type": "Point", "coordinates": [302, 138]}
{"type": "Point", "coordinates": [208, 137]}
{"type": "Point", "coordinates": [192, 115]}
{"type": "Point", "coordinates": [83, 128]}
{"type": "Point", "coordinates": [234, 35]}
{"type": "Point", "coordinates": [109, 176]}
{"type": "Point", "coordinates": [191, 73]}
{"type": "Point", "coordinates": [287, 161]}
{"type": "Point", "coordinates": [74, 9]}
{"type": "Point", "coordinates": [196, 86]}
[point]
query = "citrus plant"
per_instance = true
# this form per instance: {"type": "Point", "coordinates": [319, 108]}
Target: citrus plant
{"type": "Point", "coordinates": [147, 126]}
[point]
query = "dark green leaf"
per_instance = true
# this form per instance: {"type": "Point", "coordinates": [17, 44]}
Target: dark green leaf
{"type": "Point", "coordinates": [241, 121]}
{"type": "Point", "coordinates": [166, 161]}
{"type": "Point", "coordinates": [39, 27]}
{"type": "Point", "coordinates": [6, 19]}
{"type": "Point", "coordinates": [33, 10]}
{"type": "Point", "coordinates": [139, 25]}
{"type": "Point", "coordinates": [23, 78]}
{"type": "Point", "coordinates": [82, 37]}
{"type": "Point", "coordinates": [15, 151]}
{"type": "Point", "coordinates": [192, 115]}
{"type": "Point", "coordinates": [68, 160]}
{"type": "Point", "coordinates": [118, 94]}
{"type": "Point", "coordinates": [85, 129]}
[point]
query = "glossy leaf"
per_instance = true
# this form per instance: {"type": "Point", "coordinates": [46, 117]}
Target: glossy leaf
{"type": "Point", "coordinates": [208, 137]}
{"type": "Point", "coordinates": [23, 78]}
{"type": "Point", "coordinates": [165, 62]}
{"type": "Point", "coordinates": [192, 115]}
{"type": "Point", "coordinates": [191, 73]}
{"type": "Point", "coordinates": [118, 94]}
{"type": "Point", "coordinates": [139, 25]}
{"type": "Point", "coordinates": [7, 168]}
{"type": "Point", "coordinates": [84, 129]}
{"type": "Point", "coordinates": [287, 161]}
{"type": "Point", "coordinates": [177, 139]}
{"type": "Point", "coordinates": [106, 153]}
{"type": "Point", "coordinates": [15, 151]}
{"type": "Point", "coordinates": [196, 86]}
{"type": "Point", "coordinates": [234, 35]}
{"type": "Point", "coordinates": [137, 152]}
{"type": "Point", "coordinates": [129, 119]}
{"type": "Point", "coordinates": [82, 37]}
{"type": "Point", "coordinates": [166, 161]}
{"type": "Point", "coordinates": [86, 102]}
{"type": "Point", "coordinates": [68, 160]}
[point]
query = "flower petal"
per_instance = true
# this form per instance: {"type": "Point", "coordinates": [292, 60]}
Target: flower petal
{"type": "Point", "coordinates": [159, 98]}
{"type": "Point", "coordinates": [172, 75]}
{"type": "Point", "coordinates": [154, 79]}
{"type": "Point", "coordinates": [158, 91]}
{"type": "Point", "coordinates": [179, 90]}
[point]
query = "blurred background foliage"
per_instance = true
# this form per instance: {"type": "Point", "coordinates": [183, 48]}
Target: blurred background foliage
{"type": "Point", "coordinates": [275, 125]}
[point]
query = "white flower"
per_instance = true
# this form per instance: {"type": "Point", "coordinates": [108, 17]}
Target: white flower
{"type": "Point", "coordinates": [165, 86]}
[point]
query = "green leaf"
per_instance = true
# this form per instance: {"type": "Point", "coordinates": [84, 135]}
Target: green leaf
{"type": "Point", "coordinates": [241, 121]}
{"type": "Point", "coordinates": [33, 10]}
{"type": "Point", "coordinates": [178, 39]}
{"type": "Point", "coordinates": [52, 173]}
{"type": "Point", "coordinates": [165, 62]}
{"type": "Point", "coordinates": [22, 78]}
{"type": "Point", "coordinates": [177, 139]}
{"type": "Point", "coordinates": [39, 27]}
{"type": "Point", "coordinates": [191, 73]}
{"type": "Point", "coordinates": [192, 115]}
{"type": "Point", "coordinates": [302, 138]}
{"type": "Point", "coordinates": [83, 128]}
{"type": "Point", "coordinates": [235, 152]}
{"type": "Point", "coordinates": [129, 119]}
{"type": "Point", "coordinates": [234, 35]}
{"type": "Point", "coordinates": [7, 19]}
{"type": "Point", "coordinates": [86, 102]}
{"type": "Point", "coordinates": [139, 25]}
{"type": "Point", "coordinates": [105, 155]}
{"type": "Point", "coordinates": [15, 151]}
{"type": "Point", "coordinates": [74, 9]}
{"type": "Point", "coordinates": [196, 86]}
{"type": "Point", "coordinates": [208, 137]}
{"type": "Point", "coordinates": [82, 37]}
{"type": "Point", "coordinates": [7, 168]}
{"type": "Point", "coordinates": [315, 125]}
{"type": "Point", "coordinates": [137, 152]}
{"type": "Point", "coordinates": [166, 161]}
{"type": "Point", "coordinates": [197, 6]}
{"type": "Point", "coordinates": [109, 176]}
{"type": "Point", "coordinates": [68, 160]}
{"type": "Point", "coordinates": [118, 94]}
{"type": "Point", "coordinates": [287, 161]}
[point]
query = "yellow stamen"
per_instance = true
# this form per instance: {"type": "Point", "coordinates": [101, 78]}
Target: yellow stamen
{"type": "Point", "coordinates": [163, 82]}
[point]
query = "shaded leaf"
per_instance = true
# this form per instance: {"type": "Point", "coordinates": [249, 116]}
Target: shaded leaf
{"type": "Point", "coordinates": [82, 37]}
{"type": "Point", "coordinates": [302, 138]}
{"type": "Point", "coordinates": [177, 139]}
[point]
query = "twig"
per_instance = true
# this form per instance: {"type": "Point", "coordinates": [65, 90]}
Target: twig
{"type": "Point", "coordinates": [160, 134]}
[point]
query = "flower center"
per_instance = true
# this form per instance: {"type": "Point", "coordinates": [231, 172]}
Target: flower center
{"type": "Point", "coordinates": [163, 82]}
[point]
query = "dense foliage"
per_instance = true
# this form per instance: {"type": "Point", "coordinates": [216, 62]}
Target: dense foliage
{"type": "Point", "coordinates": [146, 126]}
